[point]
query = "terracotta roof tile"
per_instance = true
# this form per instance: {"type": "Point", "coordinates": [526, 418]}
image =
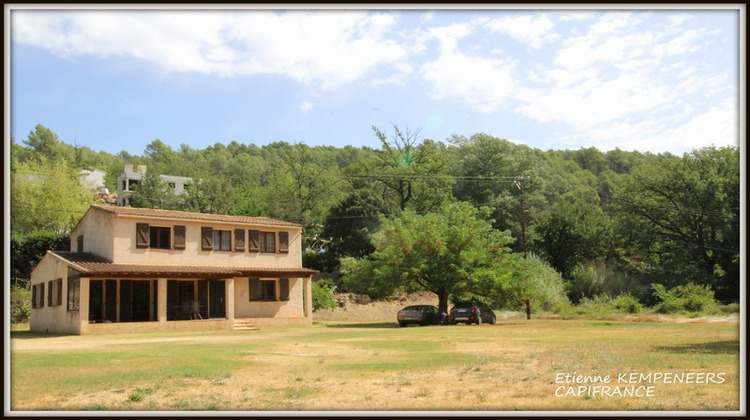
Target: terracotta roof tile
{"type": "Point", "coordinates": [94, 266]}
{"type": "Point", "coordinates": [176, 214]}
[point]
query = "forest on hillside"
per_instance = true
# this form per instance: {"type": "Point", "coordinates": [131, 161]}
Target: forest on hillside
{"type": "Point", "coordinates": [609, 222]}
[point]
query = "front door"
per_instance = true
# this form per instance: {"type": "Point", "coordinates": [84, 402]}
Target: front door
{"type": "Point", "coordinates": [217, 299]}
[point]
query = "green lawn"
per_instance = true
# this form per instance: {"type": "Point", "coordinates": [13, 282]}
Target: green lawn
{"type": "Point", "coordinates": [353, 366]}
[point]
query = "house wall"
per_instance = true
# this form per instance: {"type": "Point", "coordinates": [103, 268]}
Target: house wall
{"type": "Point", "coordinates": [53, 319]}
{"type": "Point", "coordinates": [96, 228]}
{"type": "Point", "coordinates": [125, 250]}
{"type": "Point", "coordinates": [293, 308]}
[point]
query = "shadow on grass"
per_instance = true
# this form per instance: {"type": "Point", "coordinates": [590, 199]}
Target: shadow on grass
{"type": "Point", "coordinates": [365, 325]}
{"type": "Point", "coordinates": [27, 335]}
{"type": "Point", "coordinates": [716, 347]}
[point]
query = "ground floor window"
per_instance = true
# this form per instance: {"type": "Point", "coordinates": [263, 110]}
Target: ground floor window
{"type": "Point", "coordinates": [123, 300]}
{"type": "Point", "coordinates": [195, 299]}
{"type": "Point", "coordinates": [74, 293]}
{"type": "Point", "coordinates": [266, 289]}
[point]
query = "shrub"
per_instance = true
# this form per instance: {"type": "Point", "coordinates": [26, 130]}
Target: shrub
{"type": "Point", "coordinates": [321, 295]}
{"type": "Point", "coordinates": [597, 305]}
{"type": "Point", "coordinates": [627, 303]}
{"type": "Point", "coordinates": [547, 285]}
{"type": "Point", "coordinates": [20, 305]}
{"type": "Point", "coordinates": [689, 297]}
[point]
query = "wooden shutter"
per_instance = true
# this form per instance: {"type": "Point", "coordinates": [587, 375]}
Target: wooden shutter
{"type": "Point", "coordinates": [59, 291]}
{"type": "Point", "coordinates": [254, 241]}
{"type": "Point", "coordinates": [179, 237]}
{"type": "Point", "coordinates": [254, 289]}
{"type": "Point", "coordinates": [49, 293]}
{"type": "Point", "coordinates": [239, 240]}
{"type": "Point", "coordinates": [284, 242]}
{"type": "Point", "coordinates": [41, 295]}
{"type": "Point", "coordinates": [284, 289]}
{"type": "Point", "coordinates": [141, 235]}
{"type": "Point", "coordinates": [207, 238]}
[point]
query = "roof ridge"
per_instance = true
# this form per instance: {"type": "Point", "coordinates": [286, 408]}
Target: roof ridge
{"type": "Point", "coordinates": [165, 213]}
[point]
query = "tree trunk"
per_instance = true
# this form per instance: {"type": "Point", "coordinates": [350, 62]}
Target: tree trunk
{"type": "Point", "coordinates": [442, 299]}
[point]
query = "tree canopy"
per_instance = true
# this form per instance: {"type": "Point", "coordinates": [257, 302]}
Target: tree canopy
{"type": "Point", "coordinates": [452, 252]}
{"type": "Point", "coordinates": [608, 222]}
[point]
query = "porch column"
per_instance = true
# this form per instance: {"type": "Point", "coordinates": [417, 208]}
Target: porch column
{"type": "Point", "coordinates": [307, 296]}
{"type": "Point", "coordinates": [161, 301]}
{"type": "Point", "coordinates": [83, 303]}
{"type": "Point", "coordinates": [230, 299]}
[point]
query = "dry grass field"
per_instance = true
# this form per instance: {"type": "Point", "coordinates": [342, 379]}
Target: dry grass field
{"type": "Point", "coordinates": [374, 365]}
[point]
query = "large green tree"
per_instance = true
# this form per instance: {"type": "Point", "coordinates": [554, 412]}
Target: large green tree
{"type": "Point", "coordinates": [46, 196]}
{"type": "Point", "coordinates": [682, 215]}
{"type": "Point", "coordinates": [452, 252]}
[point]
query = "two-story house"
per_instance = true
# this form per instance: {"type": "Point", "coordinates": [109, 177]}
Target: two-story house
{"type": "Point", "coordinates": [133, 269]}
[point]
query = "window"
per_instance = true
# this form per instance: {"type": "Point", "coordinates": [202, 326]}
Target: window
{"type": "Point", "coordinates": [262, 241]}
{"type": "Point", "coordinates": [262, 290]}
{"type": "Point", "coordinates": [267, 242]}
{"type": "Point", "coordinates": [73, 293]}
{"type": "Point", "coordinates": [80, 243]}
{"type": "Point", "coordinates": [54, 292]}
{"type": "Point", "coordinates": [152, 236]}
{"type": "Point", "coordinates": [222, 240]}
{"type": "Point", "coordinates": [160, 237]}
{"type": "Point", "coordinates": [37, 295]}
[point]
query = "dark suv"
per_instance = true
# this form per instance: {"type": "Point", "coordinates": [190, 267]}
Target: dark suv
{"type": "Point", "coordinates": [471, 312]}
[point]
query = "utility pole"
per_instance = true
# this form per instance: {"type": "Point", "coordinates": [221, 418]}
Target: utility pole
{"type": "Point", "coordinates": [519, 184]}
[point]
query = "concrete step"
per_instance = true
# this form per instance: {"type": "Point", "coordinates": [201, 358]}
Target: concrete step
{"type": "Point", "coordinates": [244, 324]}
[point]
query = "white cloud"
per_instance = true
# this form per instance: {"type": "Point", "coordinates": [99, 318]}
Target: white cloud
{"type": "Point", "coordinates": [306, 106]}
{"type": "Point", "coordinates": [677, 133]}
{"type": "Point", "coordinates": [482, 82]}
{"type": "Point", "coordinates": [623, 81]}
{"type": "Point", "coordinates": [531, 30]}
{"type": "Point", "coordinates": [328, 49]}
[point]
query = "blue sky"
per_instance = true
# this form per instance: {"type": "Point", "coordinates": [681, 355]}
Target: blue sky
{"type": "Point", "coordinates": [112, 80]}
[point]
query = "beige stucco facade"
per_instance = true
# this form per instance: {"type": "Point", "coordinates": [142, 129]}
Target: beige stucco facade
{"type": "Point", "coordinates": [131, 270]}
